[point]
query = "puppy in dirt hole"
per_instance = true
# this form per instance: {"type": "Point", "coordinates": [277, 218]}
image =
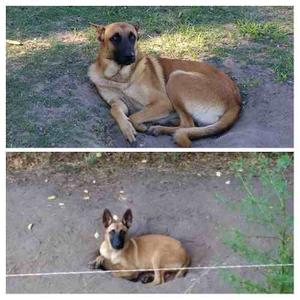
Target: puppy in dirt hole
{"type": "Point", "coordinates": [146, 252]}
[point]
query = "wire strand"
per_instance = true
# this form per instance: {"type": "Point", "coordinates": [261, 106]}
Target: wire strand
{"type": "Point", "coordinates": [148, 270]}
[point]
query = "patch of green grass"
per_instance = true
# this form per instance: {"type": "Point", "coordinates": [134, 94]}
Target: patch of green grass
{"type": "Point", "coordinates": [188, 42]}
{"type": "Point", "coordinates": [33, 95]}
{"type": "Point", "coordinates": [260, 31]}
{"type": "Point", "coordinates": [25, 22]}
{"type": "Point", "coordinates": [251, 82]}
{"type": "Point", "coordinates": [283, 63]}
{"type": "Point", "coordinates": [276, 45]}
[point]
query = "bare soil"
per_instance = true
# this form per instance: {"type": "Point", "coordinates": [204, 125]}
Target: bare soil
{"type": "Point", "coordinates": [266, 120]}
{"type": "Point", "coordinates": [180, 204]}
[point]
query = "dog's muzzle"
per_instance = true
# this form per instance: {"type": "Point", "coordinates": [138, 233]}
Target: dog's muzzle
{"type": "Point", "coordinates": [117, 241]}
{"type": "Point", "coordinates": [125, 59]}
{"type": "Point", "coordinates": [129, 59]}
{"type": "Point", "coordinates": [117, 244]}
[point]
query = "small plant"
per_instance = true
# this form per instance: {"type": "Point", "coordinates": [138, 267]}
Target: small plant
{"type": "Point", "coordinates": [265, 208]}
{"type": "Point", "coordinates": [92, 158]}
{"type": "Point", "coordinates": [261, 31]}
{"type": "Point", "coordinates": [283, 63]}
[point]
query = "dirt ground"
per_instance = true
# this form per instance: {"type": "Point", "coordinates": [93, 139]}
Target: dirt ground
{"type": "Point", "coordinates": [266, 119]}
{"type": "Point", "coordinates": [181, 204]}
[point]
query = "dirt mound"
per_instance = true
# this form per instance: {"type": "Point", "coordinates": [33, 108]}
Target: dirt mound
{"type": "Point", "coordinates": [266, 119]}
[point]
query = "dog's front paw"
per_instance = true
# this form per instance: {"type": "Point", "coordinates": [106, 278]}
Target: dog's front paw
{"type": "Point", "coordinates": [92, 264]}
{"type": "Point", "coordinates": [129, 131]}
{"type": "Point", "coordinates": [140, 127]}
{"type": "Point", "coordinates": [97, 263]}
{"type": "Point", "coordinates": [155, 130]}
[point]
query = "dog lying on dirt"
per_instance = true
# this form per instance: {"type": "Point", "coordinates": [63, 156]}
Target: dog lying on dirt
{"type": "Point", "coordinates": [141, 89]}
{"type": "Point", "coordinates": [152, 251]}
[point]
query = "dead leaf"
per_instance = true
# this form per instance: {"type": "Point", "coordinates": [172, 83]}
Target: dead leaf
{"type": "Point", "coordinates": [122, 198]}
{"type": "Point", "coordinates": [12, 42]}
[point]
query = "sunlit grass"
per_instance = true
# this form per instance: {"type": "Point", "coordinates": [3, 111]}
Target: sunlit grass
{"type": "Point", "coordinates": [179, 36]}
{"type": "Point", "coordinates": [189, 42]}
{"type": "Point", "coordinates": [28, 46]}
{"type": "Point", "coordinates": [183, 43]}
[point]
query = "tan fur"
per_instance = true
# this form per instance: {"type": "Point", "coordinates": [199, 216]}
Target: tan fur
{"type": "Point", "coordinates": [152, 88]}
{"type": "Point", "coordinates": [152, 251]}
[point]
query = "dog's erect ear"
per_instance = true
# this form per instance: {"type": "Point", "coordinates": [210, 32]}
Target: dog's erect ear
{"type": "Point", "coordinates": [127, 218]}
{"type": "Point", "coordinates": [107, 218]}
{"type": "Point", "coordinates": [100, 31]}
{"type": "Point", "coordinates": [137, 29]}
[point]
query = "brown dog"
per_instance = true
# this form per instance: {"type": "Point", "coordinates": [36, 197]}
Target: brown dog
{"type": "Point", "coordinates": [152, 251]}
{"type": "Point", "coordinates": [140, 89]}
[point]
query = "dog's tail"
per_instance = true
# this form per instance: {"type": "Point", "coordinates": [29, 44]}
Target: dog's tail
{"type": "Point", "coordinates": [182, 272]}
{"type": "Point", "coordinates": [183, 136]}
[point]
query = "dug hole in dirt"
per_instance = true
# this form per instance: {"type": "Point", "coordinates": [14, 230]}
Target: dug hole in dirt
{"type": "Point", "coordinates": [61, 236]}
{"type": "Point", "coordinates": [266, 119]}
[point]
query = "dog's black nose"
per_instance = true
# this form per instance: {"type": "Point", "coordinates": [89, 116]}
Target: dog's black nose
{"type": "Point", "coordinates": [130, 57]}
{"type": "Point", "coordinates": [117, 245]}
{"type": "Point", "coordinates": [125, 59]}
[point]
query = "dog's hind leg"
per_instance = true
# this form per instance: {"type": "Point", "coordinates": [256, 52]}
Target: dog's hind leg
{"type": "Point", "coordinates": [212, 102]}
{"type": "Point", "coordinates": [157, 273]}
{"type": "Point", "coordinates": [182, 272]}
{"type": "Point", "coordinates": [185, 121]}
{"type": "Point", "coordinates": [151, 112]}
{"type": "Point", "coordinates": [157, 278]}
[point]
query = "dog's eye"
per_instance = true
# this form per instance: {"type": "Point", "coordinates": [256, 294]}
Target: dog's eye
{"type": "Point", "coordinates": [122, 232]}
{"type": "Point", "coordinates": [131, 36]}
{"type": "Point", "coordinates": [113, 231]}
{"type": "Point", "coordinates": [116, 38]}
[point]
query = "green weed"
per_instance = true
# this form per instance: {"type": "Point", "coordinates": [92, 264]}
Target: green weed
{"type": "Point", "coordinates": [267, 210]}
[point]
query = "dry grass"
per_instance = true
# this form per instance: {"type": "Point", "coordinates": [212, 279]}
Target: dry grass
{"type": "Point", "coordinates": [200, 163]}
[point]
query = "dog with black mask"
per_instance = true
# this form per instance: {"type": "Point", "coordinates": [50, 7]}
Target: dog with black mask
{"type": "Point", "coordinates": [146, 252]}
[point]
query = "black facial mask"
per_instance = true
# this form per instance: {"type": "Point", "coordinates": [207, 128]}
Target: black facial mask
{"type": "Point", "coordinates": [124, 53]}
{"type": "Point", "coordinates": [117, 239]}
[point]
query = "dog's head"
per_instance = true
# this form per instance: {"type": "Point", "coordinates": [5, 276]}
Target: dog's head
{"type": "Point", "coordinates": [115, 229]}
{"type": "Point", "coordinates": [118, 41]}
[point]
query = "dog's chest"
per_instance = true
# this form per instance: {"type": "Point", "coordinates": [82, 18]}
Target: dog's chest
{"type": "Point", "coordinates": [139, 93]}
{"type": "Point", "coordinates": [114, 257]}
{"type": "Point", "coordinates": [139, 89]}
